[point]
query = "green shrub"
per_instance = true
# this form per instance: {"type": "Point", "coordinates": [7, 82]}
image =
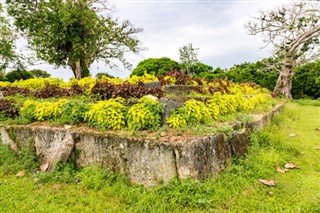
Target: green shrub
{"type": "Point", "coordinates": [18, 75]}
{"type": "Point", "coordinates": [73, 112]}
{"type": "Point", "coordinates": [146, 114]}
{"type": "Point", "coordinates": [108, 114]}
{"type": "Point", "coordinates": [192, 112]}
{"type": "Point", "coordinates": [306, 81]}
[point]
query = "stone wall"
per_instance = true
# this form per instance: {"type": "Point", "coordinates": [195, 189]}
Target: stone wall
{"type": "Point", "coordinates": [143, 161]}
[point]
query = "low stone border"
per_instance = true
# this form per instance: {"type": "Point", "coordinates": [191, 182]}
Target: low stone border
{"type": "Point", "coordinates": [143, 161]}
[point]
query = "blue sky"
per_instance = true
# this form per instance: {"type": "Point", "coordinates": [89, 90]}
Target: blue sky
{"type": "Point", "coordinates": [215, 27]}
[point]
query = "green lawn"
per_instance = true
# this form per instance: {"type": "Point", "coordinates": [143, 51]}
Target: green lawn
{"type": "Point", "coordinates": [235, 190]}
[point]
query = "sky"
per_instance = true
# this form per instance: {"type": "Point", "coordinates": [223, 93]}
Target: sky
{"type": "Point", "coordinates": [215, 27]}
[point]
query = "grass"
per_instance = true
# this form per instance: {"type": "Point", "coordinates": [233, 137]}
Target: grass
{"type": "Point", "coordinates": [235, 190]}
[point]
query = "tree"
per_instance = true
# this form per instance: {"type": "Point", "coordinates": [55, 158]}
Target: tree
{"type": "Point", "coordinates": [155, 66]}
{"type": "Point", "coordinates": [99, 75]}
{"type": "Point", "coordinates": [306, 81]}
{"type": "Point", "coordinates": [39, 73]}
{"type": "Point", "coordinates": [19, 73]}
{"type": "Point", "coordinates": [7, 38]}
{"type": "Point", "coordinates": [188, 57]}
{"type": "Point", "coordinates": [74, 33]}
{"type": "Point", "coordinates": [294, 31]}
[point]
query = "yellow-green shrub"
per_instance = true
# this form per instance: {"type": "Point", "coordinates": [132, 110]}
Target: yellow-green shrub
{"type": "Point", "coordinates": [38, 83]}
{"type": "Point", "coordinates": [146, 114]}
{"type": "Point", "coordinates": [112, 80]}
{"type": "Point", "coordinates": [28, 109]}
{"type": "Point", "coordinates": [49, 110]}
{"type": "Point", "coordinates": [5, 83]}
{"type": "Point", "coordinates": [192, 112]}
{"type": "Point", "coordinates": [108, 114]}
{"type": "Point", "coordinates": [213, 109]}
{"type": "Point", "coordinates": [176, 121]}
{"type": "Point", "coordinates": [145, 78]}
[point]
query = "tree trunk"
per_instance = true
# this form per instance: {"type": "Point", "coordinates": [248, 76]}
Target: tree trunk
{"type": "Point", "coordinates": [284, 82]}
{"type": "Point", "coordinates": [79, 69]}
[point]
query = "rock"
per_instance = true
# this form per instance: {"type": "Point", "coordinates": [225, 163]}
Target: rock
{"type": "Point", "coordinates": [169, 106]}
{"type": "Point", "coordinates": [5, 138]}
{"type": "Point", "coordinates": [53, 145]}
{"type": "Point", "coordinates": [152, 97]}
{"type": "Point", "coordinates": [153, 84]}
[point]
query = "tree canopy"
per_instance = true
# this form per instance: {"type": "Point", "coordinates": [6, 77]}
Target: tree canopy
{"type": "Point", "coordinates": [294, 31]}
{"type": "Point", "coordinates": [155, 66]}
{"type": "Point", "coordinates": [7, 38]}
{"type": "Point", "coordinates": [73, 33]}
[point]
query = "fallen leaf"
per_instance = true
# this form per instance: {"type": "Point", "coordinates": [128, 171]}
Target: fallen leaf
{"type": "Point", "coordinates": [282, 171]}
{"type": "Point", "coordinates": [318, 129]}
{"type": "Point", "coordinates": [267, 182]}
{"type": "Point", "coordinates": [317, 148]}
{"type": "Point", "coordinates": [292, 135]}
{"type": "Point", "coordinates": [21, 173]}
{"type": "Point", "coordinates": [270, 193]}
{"type": "Point", "coordinates": [291, 166]}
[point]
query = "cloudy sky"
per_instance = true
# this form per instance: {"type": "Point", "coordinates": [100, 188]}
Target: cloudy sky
{"type": "Point", "coordinates": [215, 27]}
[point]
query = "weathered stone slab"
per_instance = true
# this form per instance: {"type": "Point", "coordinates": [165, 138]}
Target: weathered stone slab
{"type": "Point", "coordinates": [202, 157]}
{"type": "Point", "coordinates": [52, 145]}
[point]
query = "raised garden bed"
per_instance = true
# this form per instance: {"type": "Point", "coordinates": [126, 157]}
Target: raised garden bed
{"type": "Point", "coordinates": [147, 159]}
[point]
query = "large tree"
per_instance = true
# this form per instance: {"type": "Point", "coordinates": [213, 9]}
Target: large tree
{"type": "Point", "coordinates": [74, 33]}
{"type": "Point", "coordinates": [155, 66]}
{"type": "Point", "coordinates": [294, 32]}
{"type": "Point", "coordinates": [7, 38]}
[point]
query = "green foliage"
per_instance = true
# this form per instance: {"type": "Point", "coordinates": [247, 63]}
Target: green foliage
{"type": "Point", "coordinates": [7, 38]}
{"type": "Point", "coordinates": [200, 69]}
{"type": "Point", "coordinates": [76, 34]}
{"type": "Point", "coordinates": [40, 73]}
{"type": "Point", "coordinates": [146, 114]}
{"type": "Point", "coordinates": [73, 112]}
{"type": "Point", "coordinates": [253, 72]}
{"type": "Point", "coordinates": [155, 66]}
{"type": "Point", "coordinates": [11, 163]}
{"type": "Point", "coordinates": [63, 173]}
{"type": "Point", "coordinates": [18, 75]}
{"type": "Point", "coordinates": [306, 81]}
{"type": "Point", "coordinates": [27, 111]}
{"type": "Point", "coordinates": [100, 75]}
{"type": "Point", "coordinates": [108, 114]}
{"type": "Point", "coordinates": [96, 178]}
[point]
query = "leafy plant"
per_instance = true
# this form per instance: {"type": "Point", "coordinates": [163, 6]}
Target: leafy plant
{"type": "Point", "coordinates": [146, 114]}
{"type": "Point", "coordinates": [28, 109]}
{"type": "Point", "coordinates": [8, 108]}
{"type": "Point", "coordinates": [49, 110]}
{"type": "Point", "coordinates": [73, 112]}
{"type": "Point", "coordinates": [176, 120]}
{"type": "Point", "coordinates": [108, 114]}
